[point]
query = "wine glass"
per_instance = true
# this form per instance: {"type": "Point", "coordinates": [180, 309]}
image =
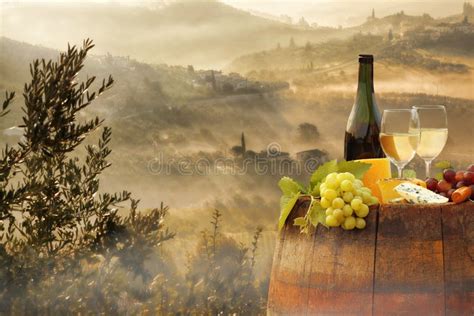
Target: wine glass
{"type": "Point", "coordinates": [399, 136]}
{"type": "Point", "coordinates": [433, 132]}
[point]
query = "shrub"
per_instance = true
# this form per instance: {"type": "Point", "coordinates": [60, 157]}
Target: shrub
{"type": "Point", "coordinates": [220, 278]}
{"type": "Point", "coordinates": [55, 223]}
{"type": "Point", "coordinates": [64, 248]}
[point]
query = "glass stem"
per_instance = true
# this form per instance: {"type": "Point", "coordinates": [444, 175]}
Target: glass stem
{"type": "Point", "coordinates": [427, 168]}
{"type": "Point", "coordinates": [400, 171]}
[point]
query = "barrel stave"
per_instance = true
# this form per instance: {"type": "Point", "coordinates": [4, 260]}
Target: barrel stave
{"type": "Point", "coordinates": [409, 264]}
{"type": "Point", "coordinates": [409, 260]}
{"type": "Point", "coordinates": [341, 278]}
{"type": "Point", "coordinates": [458, 237]}
{"type": "Point", "coordinates": [288, 291]}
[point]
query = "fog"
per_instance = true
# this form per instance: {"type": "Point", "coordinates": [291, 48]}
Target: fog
{"type": "Point", "coordinates": [192, 77]}
{"type": "Point", "coordinates": [166, 112]}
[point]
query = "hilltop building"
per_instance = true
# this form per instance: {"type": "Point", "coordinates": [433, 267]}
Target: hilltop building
{"type": "Point", "coordinates": [240, 151]}
{"type": "Point", "coordinates": [372, 16]}
{"type": "Point", "coordinates": [242, 141]}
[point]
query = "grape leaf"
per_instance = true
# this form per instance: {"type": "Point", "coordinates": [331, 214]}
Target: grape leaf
{"type": "Point", "coordinates": [444, 164]}
{"type": "Point", "coordinates": [409, 173]}
{"type": "Point", "coordinates": [317, 214]}
{"type": "Point", "coordinates": [289, 186]}
{"type": "Point", "coordinates": [316, 190]}
{"type": "Point", "coordinates": [323, 171]}
{"type": "Point", "coordinates": [287, 202]}
{"type": "Point", "coordinates": [303, 189]}
{"type": "Point", "coordinates": [299, 221]}
{"type": "Point", "coordinates": [357, 168]}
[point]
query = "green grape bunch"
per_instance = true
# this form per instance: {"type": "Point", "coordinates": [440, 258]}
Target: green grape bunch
{"type": "Point", "coordinates": [338, 197]}
{"type": "Point", "coordinates": [345, 200]}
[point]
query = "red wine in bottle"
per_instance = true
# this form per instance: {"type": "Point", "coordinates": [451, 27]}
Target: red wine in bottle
{"type": "Point", "coordinates": [363, 126]}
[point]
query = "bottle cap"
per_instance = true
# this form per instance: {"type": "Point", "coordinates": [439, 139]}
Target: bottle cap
{"type": "Point", "coordinates": [366, 59]}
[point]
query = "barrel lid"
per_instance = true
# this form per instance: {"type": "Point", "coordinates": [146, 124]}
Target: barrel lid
{"type": "Point", "coordinates": [365, 58]}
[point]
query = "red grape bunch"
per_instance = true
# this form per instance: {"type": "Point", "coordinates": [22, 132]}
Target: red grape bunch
{"type": "Point", "coordinates": [461, 182]}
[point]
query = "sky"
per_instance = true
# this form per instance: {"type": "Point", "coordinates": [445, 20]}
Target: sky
{"type": "Point", "coordinates": [322, 12]}
{"type": "Point", "coordinates": [347, 12]}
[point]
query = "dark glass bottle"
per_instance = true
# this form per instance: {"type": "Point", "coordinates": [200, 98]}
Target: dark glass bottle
{"type": "Point", "coordinates": [363, 127]}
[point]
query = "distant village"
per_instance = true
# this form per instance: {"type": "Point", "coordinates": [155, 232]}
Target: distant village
{"type": "Point", "coordinates": [399, 23]}
{"type": "Point", "coordinates": [232, 83]}
{"type": "Point", "coordinates": [215, 81]}
{"type": "Point", "coordinates": [403, 27]}
{"type": "Point", "coordinates": [309, 159]}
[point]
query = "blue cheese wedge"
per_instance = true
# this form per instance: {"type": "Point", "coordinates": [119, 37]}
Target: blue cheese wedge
{"type": "Point", "coordinates": [418, 195]}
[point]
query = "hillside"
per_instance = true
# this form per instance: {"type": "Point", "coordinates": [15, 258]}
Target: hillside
{"type": "Point", "coordinates": [175, 113]}
{"type": "Point", "coordinates": [398, 22]}
{"type": "Point", "coordinates": [181, 108]}
{"type": "Point", "coordinates": [175, 136]}
{"type": "Point", "coordinates": [204, 34]}
{"type": "Point", "coordinates": [163, 110]}
{"type": "Point", "coordinates": [440, 54]}
{"type": "Point", "coordinates": [412, 45]}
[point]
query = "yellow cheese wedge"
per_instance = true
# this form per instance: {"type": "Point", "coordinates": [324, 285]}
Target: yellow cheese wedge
{"type": "Point", "coordinates": [419, 182]}
{"type": "Point", "coordinates": [380, 169]}
{"type": "Point", "coordinates": [387, 188]}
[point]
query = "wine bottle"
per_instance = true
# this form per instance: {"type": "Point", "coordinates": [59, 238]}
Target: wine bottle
{"type": "Point", "coordinates": [363, 127]}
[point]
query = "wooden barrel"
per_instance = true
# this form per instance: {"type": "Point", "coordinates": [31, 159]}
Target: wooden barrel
{"type": "Point", "coordinates": [409, 260]}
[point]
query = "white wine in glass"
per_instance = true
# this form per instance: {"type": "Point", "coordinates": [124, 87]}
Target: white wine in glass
{"type": "Point", "coordinates": [399, 137]}
{"type": "Point", "coordinates": [433, 132]}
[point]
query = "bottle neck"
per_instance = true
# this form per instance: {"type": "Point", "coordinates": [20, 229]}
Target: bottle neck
{"type": "Point", "coordinates": [366, 77]}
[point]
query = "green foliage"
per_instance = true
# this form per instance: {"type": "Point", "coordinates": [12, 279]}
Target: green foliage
{"type": "Point", "coordinates": [439, 167]}
{"type": "Point", "coordinates": [443, 164]}
{"type": "Point", "coordinates": [409, 173]}
{"type": "Point", "coordinates": [56, 223]}
{"type": "Point", "coordinates": [64, 248]}
{"type": "Point", "coordinates": [6, 103]}
{"type": "Point", "coordinates": [316, 215]}
{"type": "Point", "coordinates": [287, 202]}
{"type": "Point", "coordinates": [292, 191]}
{"type": "Point", "coordinates": [55, 194]}
{"type": "Point", "coordinates": [358, 169]}
{"type": "Point", "coordinates": [220, 277]}
{"type": "Point", "coordinates": [289, 186]}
